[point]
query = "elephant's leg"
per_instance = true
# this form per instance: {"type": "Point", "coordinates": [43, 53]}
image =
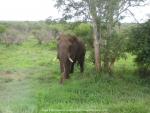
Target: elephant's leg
{"type": "Point", "coordinates": [63, 72]}
{"type": "Point", "coordinates": [61, 67]}
{"type": "Point", "coordinates": [72, 68]}
{"type": "Point", "coordinates": [68, 66]}
{"type": "Point", "coordinates": [66, 70]}
{"type": "Point", "coordinates": [81, 67]}
{"type": "Point", "coordinates": [81, 62]}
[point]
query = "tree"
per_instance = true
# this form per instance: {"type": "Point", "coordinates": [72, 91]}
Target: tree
{"type": "Point", "coordinates": [112, 15]}
{"type": "Point", "coordinates": [96, 33]}
{"type": "Point", "coordinates": [97, 12]}
{"type": "Point", "coordinates": [140, 46]}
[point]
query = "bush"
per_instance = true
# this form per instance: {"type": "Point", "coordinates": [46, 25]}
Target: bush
{"type": "Point", "coordinates": [140, 45]}
{"type": "Point", "coordinates": [84, 31]}
{"type": "Point", "coordinates": [2, 28]}
{"type": "Point", "coordinates": [12, 36]}
{"type": "Point", "coordinates": [43, 36]}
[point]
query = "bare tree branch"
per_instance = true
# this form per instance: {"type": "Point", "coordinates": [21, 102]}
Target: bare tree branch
{"type": "Point", "coordinates": [132, 14]}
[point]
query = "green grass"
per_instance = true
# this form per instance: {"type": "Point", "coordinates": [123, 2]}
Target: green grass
{"type": "Point", "coordinates": [29, 83]}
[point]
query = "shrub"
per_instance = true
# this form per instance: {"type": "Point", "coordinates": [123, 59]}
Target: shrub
{"type": "Point", "coordinates": [2, 28]}
{"type": "Point", "coordinates": [140, 45]}
{"type": "Point", "coordinates": [84, 31]}
{"type": "Point", "coordinates": [42, 35]}
{"type": "Point", "coordinates": [12, 36]}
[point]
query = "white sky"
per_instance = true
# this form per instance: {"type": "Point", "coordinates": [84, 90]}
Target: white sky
{"type": "Point", "coordinates": [35, 10]}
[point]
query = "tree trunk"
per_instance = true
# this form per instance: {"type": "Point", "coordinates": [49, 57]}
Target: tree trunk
{"type": "Point", "coordinates": [96, 34]}
{"type": "Point", "coordinates": [96, 46]}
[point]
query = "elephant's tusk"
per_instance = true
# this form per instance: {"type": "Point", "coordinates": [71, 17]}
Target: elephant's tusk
{"type": "Point", "coordinates": [70, 60]}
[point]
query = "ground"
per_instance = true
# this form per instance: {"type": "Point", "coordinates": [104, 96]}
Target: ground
{"type": "Point", "coordinates": [29, 83]}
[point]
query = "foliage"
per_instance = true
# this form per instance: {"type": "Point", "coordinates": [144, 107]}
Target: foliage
{"type": "Point", "coordinates": [14, 32]}
{"type": "Point", "coordinates": [42, 35]}
{"type": "Point", "coordinates": [140, 44]}
{"type": "Point", "coordinates": [12, 36]}
{"type": "Point", "coordinates": [2, 28]}
{"type": "Point", "coordinates": [17, 32]}
{"type": "Point", "coordinates": [84, 31]}
{"type": "Point", "coordinates": [98, 12]}
{"type": "Point", "coordinates": [84, 8]}
{"type": "Point", "coordinates": [117, 46]}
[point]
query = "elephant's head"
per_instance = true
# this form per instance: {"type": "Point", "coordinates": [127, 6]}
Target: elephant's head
{"type": "Point", "coordinates": [65, 50]}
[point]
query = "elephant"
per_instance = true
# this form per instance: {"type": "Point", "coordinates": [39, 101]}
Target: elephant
{"type": "Point", "coordinates": [70, 50]}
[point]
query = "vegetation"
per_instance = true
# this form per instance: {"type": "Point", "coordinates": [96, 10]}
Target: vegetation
{"type": "Point", "coordinates": [29, 83]}
{"type": "Point", "coordinates": [140, 46]}
{"type": "Point", "coordinates": [18, 32]}
{"type": "Point", "coordinates": [29, 72]}
{"type": "Point", "coordinates": [98, 12]}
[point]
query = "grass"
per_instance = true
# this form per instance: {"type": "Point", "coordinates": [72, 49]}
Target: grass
{"type": "Point", "coordinates": [29, 83]}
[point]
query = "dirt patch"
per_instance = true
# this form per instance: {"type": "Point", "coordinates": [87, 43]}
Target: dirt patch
{"type": "Point", "coordinates": [11, 75]}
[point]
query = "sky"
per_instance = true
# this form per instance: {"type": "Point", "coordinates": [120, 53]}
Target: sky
{"type": "Point", "coordinates": [36, 10]}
